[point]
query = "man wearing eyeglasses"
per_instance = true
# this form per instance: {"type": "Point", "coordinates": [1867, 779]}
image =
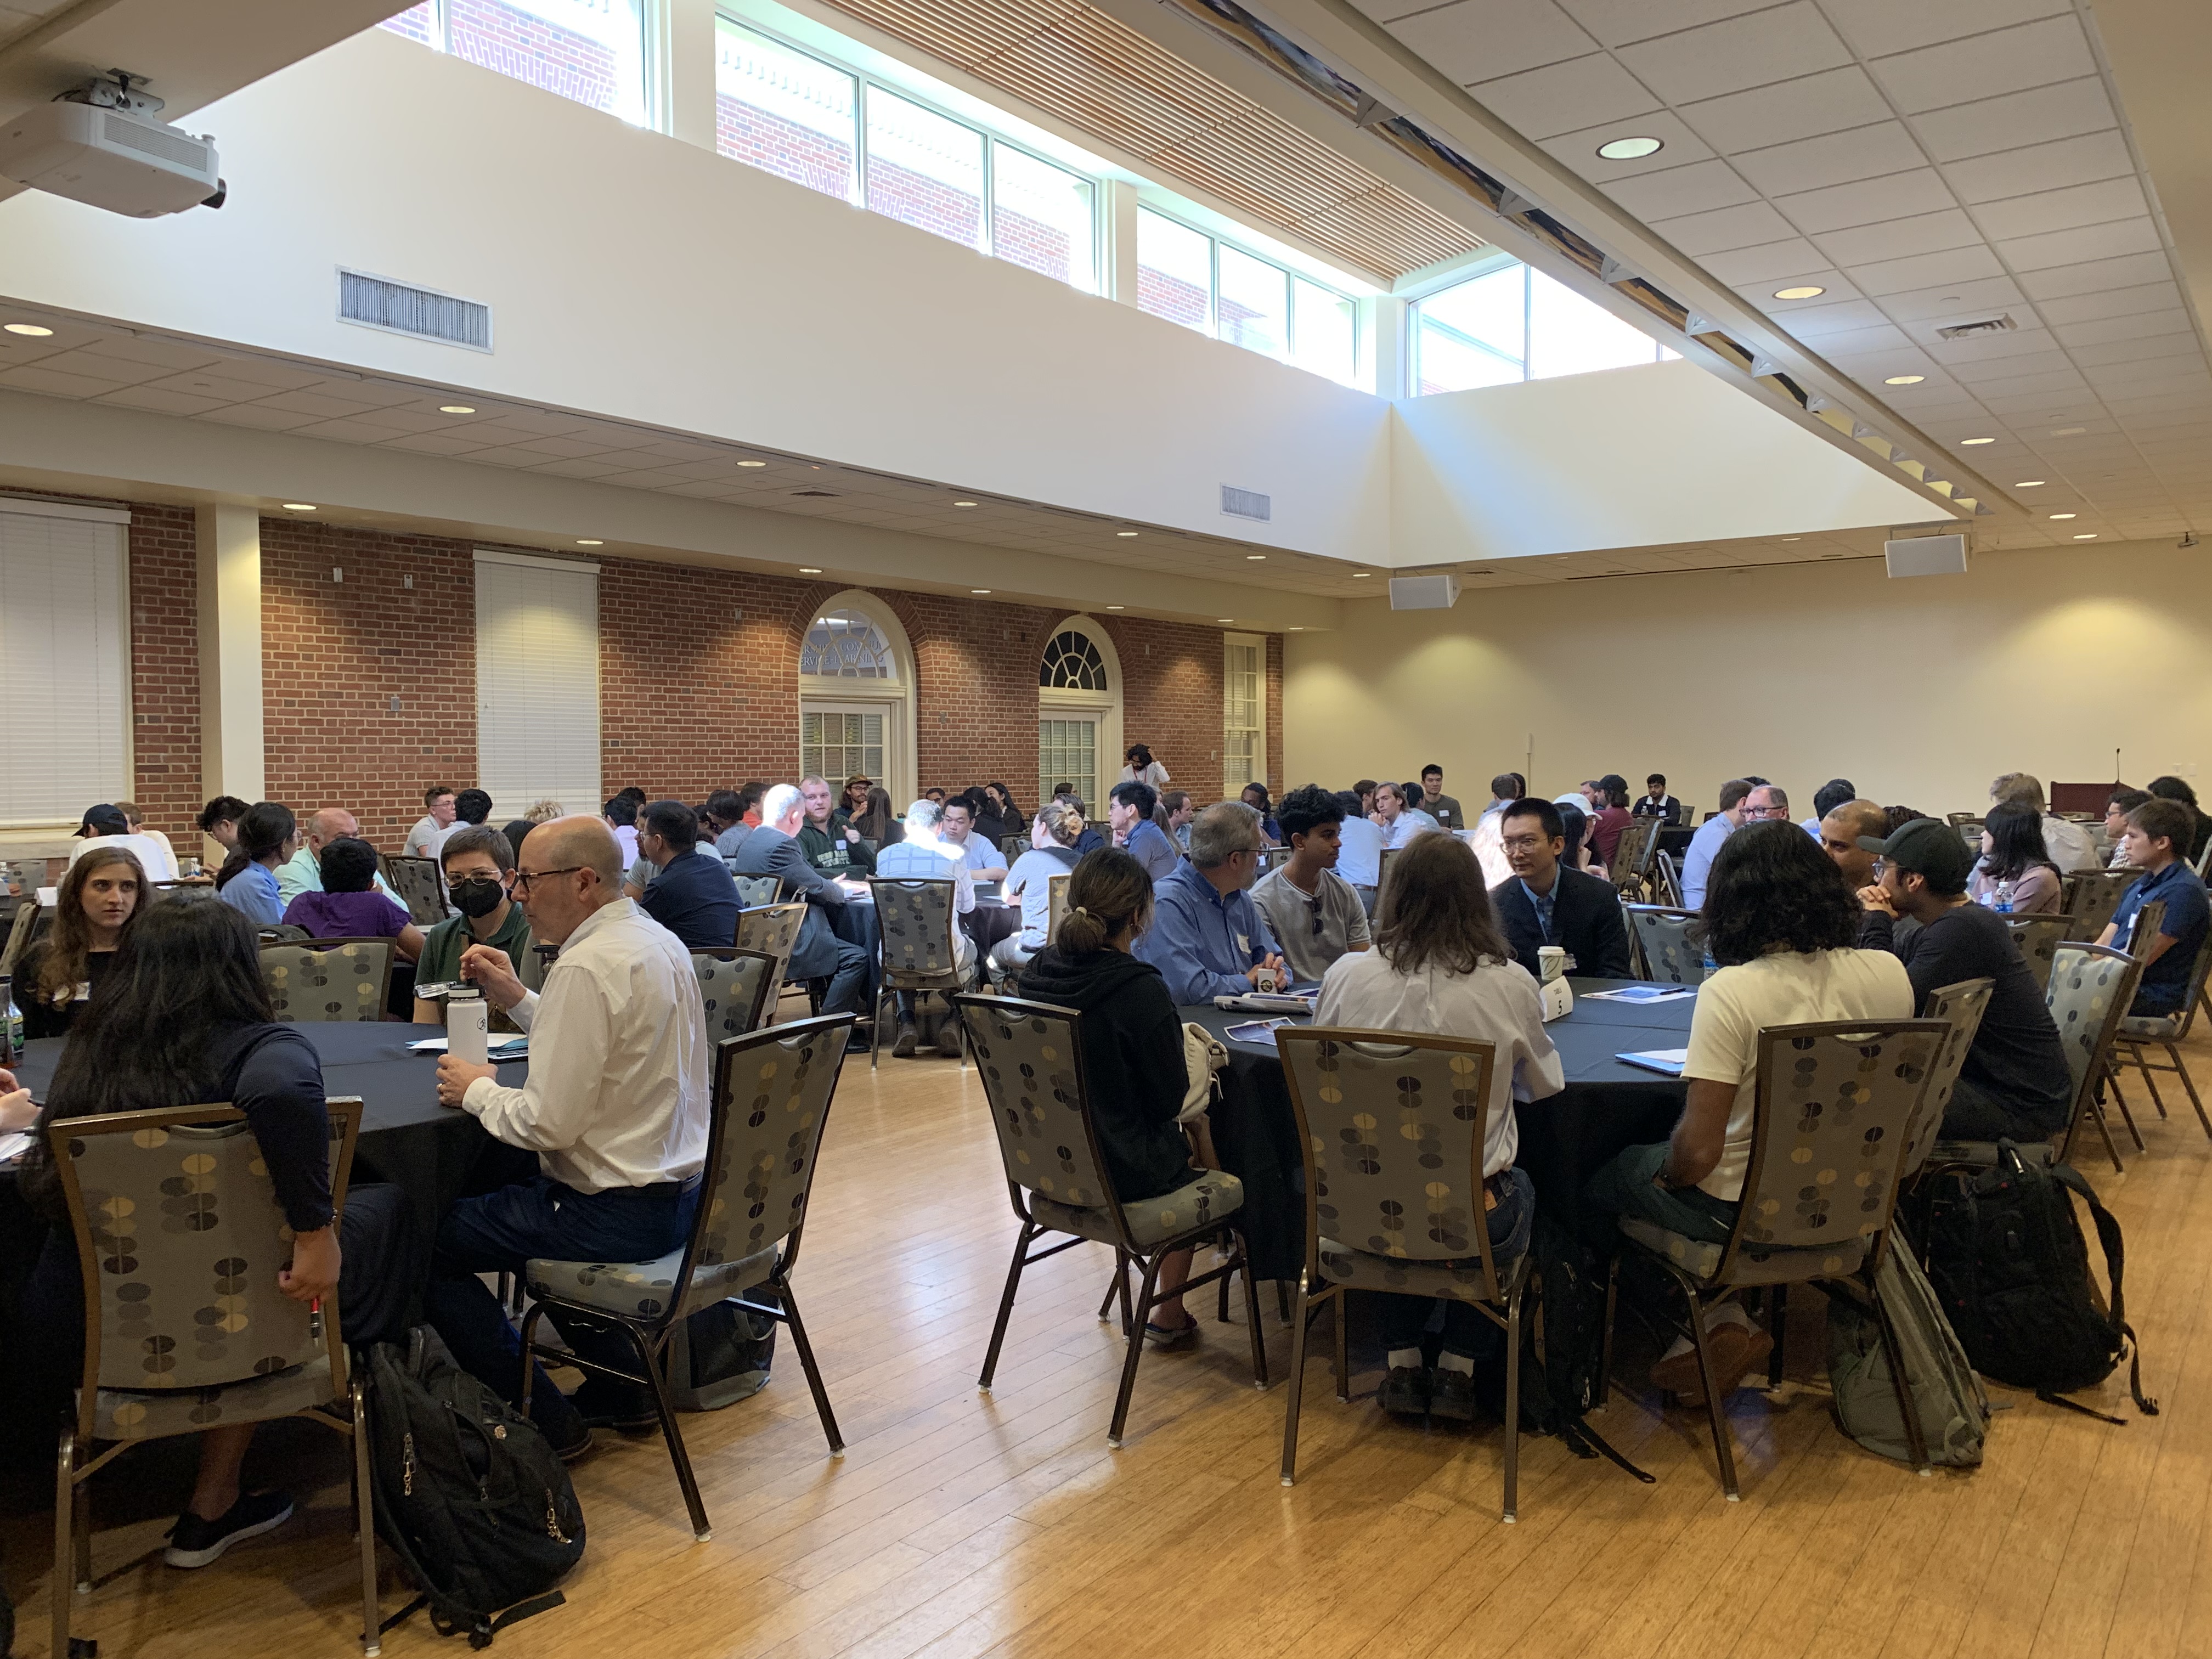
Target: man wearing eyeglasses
{"type": "Point", "coordinates": [1547, 903]}
{"type": "Point", "coordinates": [615, 1107]}
{"type": "Point", "coordinates": [1207, 937]}
{"type": "Point", "coordinates": [1313, 912]}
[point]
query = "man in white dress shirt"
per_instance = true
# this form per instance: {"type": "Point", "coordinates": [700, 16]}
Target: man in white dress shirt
{"type": "Point", "coordinates": [615, 1107]}
{"type": "Point", "coordinates": [2067, 842]}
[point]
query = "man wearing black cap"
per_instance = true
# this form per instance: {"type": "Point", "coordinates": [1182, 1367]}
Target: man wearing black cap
{"type": "Point", "coordinates": [107, 823]}
{"type": "Point", "coordinates": [2015, 1082]}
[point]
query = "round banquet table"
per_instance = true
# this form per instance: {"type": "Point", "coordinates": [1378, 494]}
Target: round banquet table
{"type": "Point", "coordinates": [1606, 1105]}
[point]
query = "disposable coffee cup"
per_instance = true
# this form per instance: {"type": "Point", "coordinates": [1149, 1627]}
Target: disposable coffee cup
{"type": "Point", "coordinates": [1552, 960]}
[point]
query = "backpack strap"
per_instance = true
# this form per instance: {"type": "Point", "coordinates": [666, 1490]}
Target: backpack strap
{"type": "Point", "coordinates": [2109, 1236]}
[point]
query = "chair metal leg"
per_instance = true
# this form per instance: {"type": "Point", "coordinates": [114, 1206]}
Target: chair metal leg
{"type": "Point", "coordinates": [1006, 1306]}
{"type": "Point", "coordinates": [2135, 1059]}
{"type": "Point", "coordinates": [1343, 1348]}
{"type": "Point", "coordinates": [813, 1371]}
{"type": "Point", "coordinates": [1119, 1282]}
{"type": "Point", "coordinates": [1915, 1441]}
{"type": "Point", "coordinates": [529, 1350]}
{"type": "Point", "coordinates": [1721, 1449]}
{"type": "Point", "coordinates": [1605, 1341]}
{"type": "Point", "coordinates": [2173, 1054]}
{"type": "Point", "coordinates": [1777, 1321]}
{"type": "Point", "coordinates": [372, 1619]}
{"type": "Point", "coordinates": [82, 1538]}
{"type": "Point", "coordinates": [1513, 1298]}
{"type": "Point", "coordinates": [1251, 1310]}
{"type": "Point", "coordinates": [876, 1028]}
{"type": "Point", "coordinates": [1298, 1326]}
{"type": "Point", "coordinates": [1145, 1297]}
{"type": "Point", "coordinates": [1283, 1300]}
{"type": "Point", "coordinates": [2121, 1101]}
{"type": "Point", "coordinates": [1221, 1309]}
{"type": "Point", "coordinates": [65, 1498]}
{"type": "Point", "coordinates": [669, 1433]}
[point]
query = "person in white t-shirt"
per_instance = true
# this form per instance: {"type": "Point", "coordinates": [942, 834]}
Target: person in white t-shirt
{"type": "Point", "coordinates": [106, 825]}
{"type": "Point", "coordinates": [1783, 923]}
{"type": "Point", "coordinates": [1141, 768]}
{"type": "Point", "coordinates": [1398, 822]}
{"type": "Point", "coordinates": [428, 834]}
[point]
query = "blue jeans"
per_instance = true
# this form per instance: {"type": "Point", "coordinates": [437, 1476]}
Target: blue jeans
{"type": "Point", "coordinates": [1403, 1319]}
{"type": "Point", "coordinates": [501, 1232]}
{"type": "Point", "coordinates": [1627, 1185]}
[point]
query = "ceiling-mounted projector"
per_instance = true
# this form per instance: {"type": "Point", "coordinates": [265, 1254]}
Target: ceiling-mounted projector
{"type": "Point", "coordinates": [101, 144]}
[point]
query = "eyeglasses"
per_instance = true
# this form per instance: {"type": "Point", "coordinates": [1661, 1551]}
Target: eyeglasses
{"type": "Point", "coordinates": [1521, 843]}
{"type": "Point", "coordinates": [524, 878]}
{"type": "Point", "coordinates": [1766, 811]}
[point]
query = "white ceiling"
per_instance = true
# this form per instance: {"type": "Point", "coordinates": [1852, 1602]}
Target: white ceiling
{"type": "Point", "coordinates": [1926, 162]}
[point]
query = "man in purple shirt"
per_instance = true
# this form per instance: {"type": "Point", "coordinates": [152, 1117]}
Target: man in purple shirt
{"type": "Point", "coordinates": [349, 907]}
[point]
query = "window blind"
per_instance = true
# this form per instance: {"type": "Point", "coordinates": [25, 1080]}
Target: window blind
{"type": "Point", "coordinates": [64, 662]}
{"type": "Point", "coordinates": [538, 683]}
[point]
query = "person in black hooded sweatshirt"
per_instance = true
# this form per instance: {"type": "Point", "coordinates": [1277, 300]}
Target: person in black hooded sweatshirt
{"type": "Point", "coordinates": [1133, 1064]}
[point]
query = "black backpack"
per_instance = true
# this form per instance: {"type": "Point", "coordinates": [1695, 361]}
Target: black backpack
{"type": "Point", "coordinates": [2008, 1262]}
{"type": "Point", "coordinates": [468, 1494]}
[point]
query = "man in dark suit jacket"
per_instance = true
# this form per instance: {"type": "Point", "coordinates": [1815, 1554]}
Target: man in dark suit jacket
{"type": "Point", "coordinates": [692, 895]}
{"type": "Point", "coordinates": [1544, 903]}
{"type": "Point", "coordinates": [773, 850]}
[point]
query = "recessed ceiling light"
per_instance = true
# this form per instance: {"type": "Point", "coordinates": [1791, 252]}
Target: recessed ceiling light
{"type": "Point", "coordinates": [2028, 483]}
{"type": "Point", "coordinates": [33, 330]}
{"type": "Point", "coordinates": [1117, 607]}
{"type": "Point", "coordinates": [2066, 515]}
{"type": "Point", "coordinates": [2068, 431]}
{"type": "Point", "coordinates": [1905, 380]}
{"type": "Point", "coordinates": [457, 409]}
{"type": "Point", "coordinates": [1226, 619]}
{"type": "Point", "coordinates": [1803, 291]}
{"type": "Point", "coordinates": [2086, 536]}
{"type": "Point", "coordinates": [979, 590]}
{"type": "Point", "coordinates": [1125, 534]}
{"type": "Point", "coordinates": [1793, 538]}
{"type": "Point", "coordinates": [1295, 629]}
{"type": "Point", "coordinates": [1361, 575]}
{"type": "Point", "coordinates": [753, 462]}
{"type": "Point", "coordinates": [1256, 556]}
{"type": "Point", "coordinates": [1977, 440]}
{"type": "Point", "coordinates": [298, 507]}
{"type": "Point", "coordinates": [584, 543]}
{"type": "Point", "coordinates": [964, 503]}
{"type": "Point", "coordinates": [809, 570]}
{"type": "Point", "coordinates": [1631, 149]}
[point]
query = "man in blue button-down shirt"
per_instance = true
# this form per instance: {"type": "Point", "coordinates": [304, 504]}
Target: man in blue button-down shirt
{"type": "Point", "coordinates": [1207, 937]}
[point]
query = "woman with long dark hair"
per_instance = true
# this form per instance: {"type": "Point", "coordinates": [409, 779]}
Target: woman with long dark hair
{"type": "Point", "coordinates": [100, 897]}
{"type": "Point", "coordinates": [874, 821]}
{"type": "Point", "coordinates": [997, 816]}
{"type": "Point", "coordinates": [1783, 923]}
{"type": "Point", "coordinates": [267, 836]}
{"type": "Point", "coordinates": [1133, 1064]}
{"type": "Point", "coordinates": [183, 1017]}
{"type": "Point", "coordinates": [2015, 873]}
{"type": "Point", "coordinates": [1442, 966]}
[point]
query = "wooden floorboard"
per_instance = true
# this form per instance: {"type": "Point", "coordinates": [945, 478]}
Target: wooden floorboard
{"type": "Point", "coordinates": [961, 1525]}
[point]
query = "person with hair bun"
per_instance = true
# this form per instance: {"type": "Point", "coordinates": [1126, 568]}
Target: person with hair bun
{"type": "Point", "coordinates": [267, 836]}
{"type": "Point", "coordinates": [1133, 1073]}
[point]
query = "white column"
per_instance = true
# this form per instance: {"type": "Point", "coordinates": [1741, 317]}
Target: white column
{"type": "Point", "coordinates": [688, 70]}
{"type": "Point", "coordinates": [1386, 345]}
{"type": "Point", "coordinates": [231, 754]}
{"type": "Point", "coordinates": [1121, 263]}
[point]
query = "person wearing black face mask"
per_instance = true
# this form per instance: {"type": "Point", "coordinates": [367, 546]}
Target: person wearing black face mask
{"type": "Point", "coordinates": [479, 865]}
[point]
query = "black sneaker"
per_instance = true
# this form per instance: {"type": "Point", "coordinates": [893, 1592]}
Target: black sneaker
{"type": "Point", "coordinates": [622, 1406]}
{"type": "Point", "coordinates": [909, 1041]}
{"type": "Point", "coordinates": [1405, 1391]}
{"type": "Point", "coordinates": [196, 1543]}
{"type": "Point", "coordinates": [1451, 1394]}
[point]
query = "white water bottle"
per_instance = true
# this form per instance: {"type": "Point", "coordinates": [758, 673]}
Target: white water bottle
{"type": "Point", "coordinates": [466, 1026]}
{"type": "Point", "coordinates": [2002, 900]}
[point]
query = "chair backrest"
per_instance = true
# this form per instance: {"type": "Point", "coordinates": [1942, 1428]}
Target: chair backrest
{"type": "Point", "coordinates": [421, 884]}
{"type": "Point", "coordinates": [33, 922]}
{"type": "Point", "coordinates": [737, 986]}
{"type": "Point", "coordinates": [1382, 869]}
{"type": "Point", "coordinates": [187, 892]}
{"type": "Point", "coordinates": [1955, 819]}
{"type": "Point", "coordinates": [2037, 938]}
{"type": "Point", "coordinates": [2148, 918]}
{"type": "Point", "coordinates": [772, 1093]}
{"type": "Point", "coordinates": [327, 980]}
{"type": "Point", "coordinates": [1662, 935]}
{"type": "Point", "coordinates": [1391, 1125]}
{"type": "Point", "coordinates": [2091, 988]}
{"type": "Point", "coordinates": [1273, 858]}
{"type": "Point", "coordinates": [2198, 976]}
{"type": "Point", "coordinates": [772, 929]}
{"type": "Point", "coordinates": [1961, 1008]}
{"type": "Point", "coordinates": [2202, 863]}
{"type": "Point", "coordinates": [1030, 1056]}
{"type": "Point", "coordinates": [756, 890]}
{"type": "Point", "coordinates": [1012, 847]}
{"type": "Point", "coordinates": [1670, 883]}
{"type": "Point", "coordinates": [179, 1237]}
{"type": "Point", "coordinates": [1628, 853]}
{"type": "Point", "coordinates": [1055, 903]}
{"type": "Point", "coordinates": [1836, 1102]}
{"type": "Point", "coordinates": [918, 919]}
{"type": "Point", "coordinates": [2092, 896]}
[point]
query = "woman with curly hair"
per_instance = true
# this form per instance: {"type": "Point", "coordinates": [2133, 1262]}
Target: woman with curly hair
{"type": "Point", "coordinates": [1783, 923]}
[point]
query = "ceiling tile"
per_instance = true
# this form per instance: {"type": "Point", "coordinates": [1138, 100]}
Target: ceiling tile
{"type": "Point", "coordinates": [1859, 341]}
{"type": "Point", "coordinates": [1765, 116]}
{"type": "Point", "coordinates": [1817, 318]}
{"type": "Point", "coordinates": [1955, 300]}
{"type": "Point", "coordinates": [260, 371]}
{"type": "Point", "coordinates": [433, 443]}
{"type": "Point", "coordinates": [161, 401]}
{"type": "Point", "coordinates": [117, 371]}
{"type": "Point", "coordinates": [2114, 302]}
{"type": "Point", "coordinates": [1700, 235]}
{"type": "Point", "coordinates": [2033, 397]}
{"type": "Point", "coordinates": [1774, 260]}
{"type": "Point", "coordinates": [1898, 238]}
{"type": "Point", "coordinates": [1962, 265]}
{"type": "Point", "coordinates": [1583, 92]}
{"type": "Point", "coordinates": [1990, 371]}
{"type": "Point", "coordinates": [2071, 247]}
{"type": "Point", "coordinates": [1778, 44]}
{"type": "Point", "coordinates": [2127, 350]}
{"type": "Point", "coordinates": [1987, 65]}
{"type": "Point", "coordinates": [2098, 275]}
{"type": "Point", "coordinates": [1698, 188]}
{"type": "Point", "coordinates": [256, 416]}
{"type": "Point", "coordinates": [2068, 209]}
{"type": "Point", "coordinates": [1616, 22]}
{"type": "Point", "coordinates": [170, 355]}
{"type": "Point", "coordinates": [1880, 26]}
{"type": "Point", "coordinates": [313, 404]}
{"type": "Point", "coordinates": [1868, 201]}
{"type": "Point", "coordinates": [1579, 149]}
{"type": "Point", "coordinates": [1832, 158]}
{"type": "Point", "coordinates": [1482, 39]}
{"type": "Point", "coordinates": [2091, 156]}
{"type": "Point", "coordinates": [2018, 119]}
{"type": "Point", "coordinates": [1984, 348]}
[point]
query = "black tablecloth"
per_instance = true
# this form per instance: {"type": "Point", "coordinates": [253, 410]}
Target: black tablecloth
{"type": "Point", "coordinates": [1605, 1105]}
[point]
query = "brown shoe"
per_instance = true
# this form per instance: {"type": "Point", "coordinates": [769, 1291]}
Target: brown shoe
{"type": "Point", "coordinates": [1678, 1373]}
{"type": "Point", "coordinates": [1736, 1348]}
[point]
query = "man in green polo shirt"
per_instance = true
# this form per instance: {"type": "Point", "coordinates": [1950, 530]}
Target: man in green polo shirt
{"type": "Point", "coordinates": [479, 865]}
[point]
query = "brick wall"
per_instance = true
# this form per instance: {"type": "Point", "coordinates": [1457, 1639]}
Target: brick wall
{"type": "Point", "coordinates": [527, 47]}
{"type": "Point", "coordinates": [165, 670]}
{"type": "Point", "coordinates": [784, 147]}
{"type": "Point", "coordinates": [915, 199]}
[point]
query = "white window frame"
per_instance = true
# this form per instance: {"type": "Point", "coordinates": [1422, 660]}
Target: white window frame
{"type": "Point", "coordinates": [120, 687]}
{"type": "Point", "coordinates": [895, 697]}
{"type": "Point", "coordinates": [1361, 315]}
{"type": "Point", "coordinates": [1102, 708]}
{"type": "Point", "coordinates": [1467, 273]}
{"type": "Point", "coordinates": [655, 68]}
{"type": "Point", "coordinates": [1231, 788]}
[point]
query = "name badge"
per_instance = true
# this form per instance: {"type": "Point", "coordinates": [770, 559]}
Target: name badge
{"type": "Point", "coordinates": [1243, 944]}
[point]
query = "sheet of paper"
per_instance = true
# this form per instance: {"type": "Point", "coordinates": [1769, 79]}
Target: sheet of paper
{"type": "Point", "coordinates": [1669, 1060]}
{"type": "Point", "coordinates": [13, 1147]}
{"type": "Point", "coordinates": [1641, 994]}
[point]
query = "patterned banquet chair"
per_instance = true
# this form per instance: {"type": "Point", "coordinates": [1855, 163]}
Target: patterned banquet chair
{"type": "Point", "coordinates": [328, 981]}
{"type": "Point", "coordinates": [920, 947]}
{"type": "Point", "coordinates": [1664, 942]}
{"type": "Point", "coordinates": [1030, 1056]}
{"type": "Point", "coordinates": [2037, 939]}
{"type": "Point", "coordinates": [2167, 1031]}
{"type": "Point", "coordinates": [738, 986]}
{"type": "Point", "coordinates": [753, 891]}
{"type": "Point", "coordinates": [772, 1094]}
{"type": "Point", "coordinates": [421, 884]}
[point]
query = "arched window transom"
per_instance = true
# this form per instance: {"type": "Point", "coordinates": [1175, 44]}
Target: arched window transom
{"type": "Point", "coordinates": [1071, 663]}
{"type": "Point", "coordinates": [846, 645]}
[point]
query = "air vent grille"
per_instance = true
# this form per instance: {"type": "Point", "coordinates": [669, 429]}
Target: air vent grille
{"type": "Point", "coordinates": [173, 147]}
{"type": "Point", "coordinates": [828, 495]}
{"type": "Point", "coordinates": [376, 302]}
{"type": "Point", "coordinates": [1986, 325]}
{"type": "Point", "coordinates": [1246, 504]}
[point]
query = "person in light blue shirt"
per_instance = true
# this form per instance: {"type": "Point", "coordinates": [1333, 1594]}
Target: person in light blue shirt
{"type": "Point", "coordinates": [1398, 822]}
{"type": "Point", "coordinates": [1697, 862]}
{"type": "Point", "coordinates": [1207, 937]}
{"type": "Point", "coordinates": [1129, 815]}
{"type": "Point", "coordinates": [267, 836]}
{"type": "Point", "coordinates": [303, 872]}
{"type": "Point", "coordinates": [958, 818]}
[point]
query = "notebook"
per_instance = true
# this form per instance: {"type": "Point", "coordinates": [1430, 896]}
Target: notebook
{"type": "Point", "coordinates": [1669, 1060]}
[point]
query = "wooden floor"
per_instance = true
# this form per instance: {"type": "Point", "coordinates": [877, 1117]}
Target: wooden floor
{"type": "Point", "coordinates": [965, 1524]}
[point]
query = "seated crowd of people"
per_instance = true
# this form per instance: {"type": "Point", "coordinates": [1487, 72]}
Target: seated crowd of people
{"type": "Point", "coordinates": [1857, 912]}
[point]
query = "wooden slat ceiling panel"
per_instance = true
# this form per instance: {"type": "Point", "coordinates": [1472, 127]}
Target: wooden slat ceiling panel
{"type": "Point", "coordinates": [1103, 78]}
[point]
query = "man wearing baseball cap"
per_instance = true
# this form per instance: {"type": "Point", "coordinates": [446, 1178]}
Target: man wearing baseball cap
{"type": "Point", "coordinates": [107, 822]}
{"type": "Point", "coordinates": [2015, 1082]}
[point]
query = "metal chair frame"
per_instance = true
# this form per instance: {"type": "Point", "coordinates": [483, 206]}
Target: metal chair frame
{"type": "Point", "coordinates": [890, 980]}
{"type": "Point", "coordinates": [2030, 936]}
{"type": "Point", "coordinates": [1641, 958]}
{"type": "Point", "coordinates": [774, 930]}
{"type": "Point", "coordinates": [322, 946]}
{"type": "Point", "coordinates": [757, 892]}
{"type": "Point", "coordinates": [770, 984]}
{"type": "Point", "coordinates": [1670, 881]}
{"type": "Point", "coordinates": [2099, 1066]}
{"type": "Point", "coordinates": [2092, 898]}
{"type": "Point", "coordinates": [649, 1337]}
{"type": "Point", "coordinates": [425, 906]}
{"type": "Point", "coordinates": [2194, 995]}
{"type": "Point", "coordinates": [1228, 1228]}
{"type": "Point", "coordinates": [345, 1414]}
{"type": "Point", "coordinates": [1504, 1298]}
